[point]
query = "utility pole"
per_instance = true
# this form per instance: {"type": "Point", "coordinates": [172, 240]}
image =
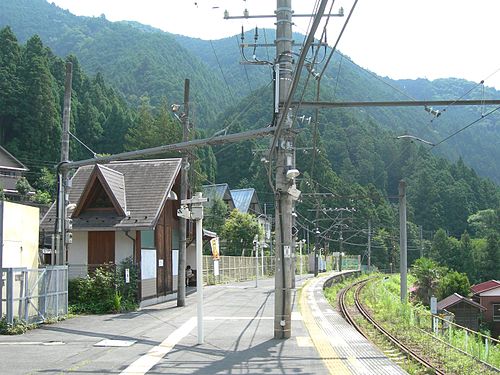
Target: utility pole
{"type": "Point", "coordinates": [316, 242]}
{"type": "Point", "coordinates": [421, 242]}
{"type": "Point", "coordinates": [402, 239]}
{"type": "Point", "coordinates": [61, 239]}
{"type": "Point", "coordinates": [369, 245]}
{"type": "Point", "coordinates": [192, 209]}
{"type": "Point", "coordinates": [284, 160]}
{"type": "Point", "coordinates": [181, 282]}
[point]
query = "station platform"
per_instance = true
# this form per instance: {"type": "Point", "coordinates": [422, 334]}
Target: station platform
{"type": "Point", "coordinates": [342, 348]}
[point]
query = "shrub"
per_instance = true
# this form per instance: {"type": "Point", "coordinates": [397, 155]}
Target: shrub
{"type": "Point", "coordinates": [105, 290]}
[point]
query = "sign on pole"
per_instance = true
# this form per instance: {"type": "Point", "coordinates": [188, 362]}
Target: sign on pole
{"type": "Point", "coordinates": [214, 243]}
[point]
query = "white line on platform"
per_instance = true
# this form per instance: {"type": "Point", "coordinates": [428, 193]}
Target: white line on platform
{"type": "Point", "coordinates": [47, 343]}
{"type": "Point", "coordinates": [238, 318]}
{"type": "Point", "coordinates": [145, 363]}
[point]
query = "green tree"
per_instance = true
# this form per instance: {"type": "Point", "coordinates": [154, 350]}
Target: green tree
{"type": "Point", "coordinates": [10, 85]}
{"type": "Point", "coordinates": [23, 187]}
{"type": "Point", "coordinates": [215, 216]}
{"type": "Point", "coordinates": [428, 274]}
{"type": "Point", "coordinates": [485, 222]}
{"type": "Point", "coordinates": [465, 256]}
{"type": "Point", "coordinates": [490, 263]}
{"type": "Point", "coordinates": [239, 230]}
{"type": "Point", "coordinates": [143, 133]}
{"type": "Point", "coordinates": [38, 129]}
{"type": "Point", "coordinates": [445, 250]}
{"type": "Point", "coordinates": [453, 282]}
{"type": "Point", "coordinates": [42, 197]}
{"type": "Point", "coordinates": [47, 182]}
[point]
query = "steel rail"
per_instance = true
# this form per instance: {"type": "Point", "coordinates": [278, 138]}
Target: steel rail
{"type": "Point", "coordinates": [402, 347]}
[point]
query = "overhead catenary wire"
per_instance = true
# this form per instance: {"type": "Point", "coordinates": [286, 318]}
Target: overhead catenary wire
{"type": "Point", "coordinates": [239, 114]}
{"type": "Point", "coordinates": [244, 66]}
{"type": "Point", "coordinates": [222, 71]}
{"type": "Point", "coordinates": [465, 127]}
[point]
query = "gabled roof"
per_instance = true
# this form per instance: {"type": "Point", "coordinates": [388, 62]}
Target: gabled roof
{"type": "Point", "coordinates": [485, 286]}
{"type": "Point", "coordinates": [139, 190]}
{"type": "Point", "coordinates": [218, 191]}
{"type": "Point", "coordinates": [113, 183]}
{"type": "Point", "coordinates": [455, 299]}
{"type": "Point", "coordinates": [8, 161]}
{"type": "Point", "coordinates": [243, 198]}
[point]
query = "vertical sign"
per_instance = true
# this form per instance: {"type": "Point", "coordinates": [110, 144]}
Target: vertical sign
{"type": "Point", "coordinates": [214, 243]}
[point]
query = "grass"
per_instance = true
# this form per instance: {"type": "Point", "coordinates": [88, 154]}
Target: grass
{"type": "Point", "coordinates": [411, 323]}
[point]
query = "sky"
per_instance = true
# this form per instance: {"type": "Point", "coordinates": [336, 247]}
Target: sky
{"type": "Point", "coordinates": [395, 38]}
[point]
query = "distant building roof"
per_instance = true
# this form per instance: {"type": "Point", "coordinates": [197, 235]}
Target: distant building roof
{"type": "Point", "coordinates": [485, 286]}
{"type": "Point", "coordinates": [244, 198]}
{"type": "Point", "coordinates": [218, 191]}
{"type": "Point", "coordinates": [454, 299]}
{"type": "Point", "coordinates": [137, 190]}
{"type": "Point", "coordinates": [8, 161]}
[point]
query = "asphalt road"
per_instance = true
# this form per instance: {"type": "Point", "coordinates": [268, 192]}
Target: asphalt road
{"type": "Point", "coordinates": [162, 339]}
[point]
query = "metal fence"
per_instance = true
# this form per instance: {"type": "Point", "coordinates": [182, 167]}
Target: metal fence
{"type": "Point", "coordinates": [231, 268]}
{"type": "Point", "coordinates": [34, 295]}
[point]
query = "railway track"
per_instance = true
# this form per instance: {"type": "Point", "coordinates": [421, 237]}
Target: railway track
{"type": "Point", "coordinates": [348, 316]}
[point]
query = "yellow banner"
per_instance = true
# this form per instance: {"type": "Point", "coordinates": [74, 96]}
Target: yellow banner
{"type": "Point", "coordinates": [214, 243]}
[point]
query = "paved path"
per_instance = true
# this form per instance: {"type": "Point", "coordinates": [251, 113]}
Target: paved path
{"type": "Point", "coordinates": [162, 340]}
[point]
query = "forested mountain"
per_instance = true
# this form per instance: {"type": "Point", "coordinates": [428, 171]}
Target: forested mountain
{"type": "Point", "coordinates": [138, 62]}
{"type": "Point", "coordinates": [126, 75]}
{"type": "Point", "coordinates": [346, 81]}
{"type": "Point", "coordinates": [143, 61]}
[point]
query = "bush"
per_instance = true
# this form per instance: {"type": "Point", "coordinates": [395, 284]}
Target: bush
{"type": "Point", "coordinates": [17, 328]}
{"type": "Point", "coordinates": [104, 290]}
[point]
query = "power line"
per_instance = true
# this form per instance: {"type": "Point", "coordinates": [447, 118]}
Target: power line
{"type": "Point", "coordinates": [244, 66]}
{"type": "Point", "coordinates": [222, 71]}
{"type": "Point", "coordinates": [466, 127]}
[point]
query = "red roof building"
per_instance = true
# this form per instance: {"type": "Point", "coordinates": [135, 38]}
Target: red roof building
{"type": "Point", "coordinates": [483, 287]}
{"type": "Point", "coordinates": [488, 295]}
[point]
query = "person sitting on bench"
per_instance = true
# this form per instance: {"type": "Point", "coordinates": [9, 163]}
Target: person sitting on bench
{"type": "Point", "coordinates": [189, 275]}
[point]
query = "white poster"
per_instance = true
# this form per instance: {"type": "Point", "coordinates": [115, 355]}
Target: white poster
{"type": "Point", "coordinates": [148, 264]}
{"type": "Point", "coordinates": [216, 268]}
{"type": "Point", "coordinates": [175, 262]}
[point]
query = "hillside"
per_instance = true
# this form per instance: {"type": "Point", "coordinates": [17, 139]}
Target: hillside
{"type": "Point", "coordinates": [355, 159]}
{"type": "Point", "coordinates": [139, 61]}
{"type": "Point", "coordinates": [346, 81]}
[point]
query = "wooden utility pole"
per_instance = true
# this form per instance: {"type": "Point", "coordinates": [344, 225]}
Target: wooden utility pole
{"type": "Point", "coordinates": [181, 281]}
{"type": "Point", "coordinates": [402, 239]}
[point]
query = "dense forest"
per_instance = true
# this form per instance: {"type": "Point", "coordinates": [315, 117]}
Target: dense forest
{"type": "Point", "coordinates": [142, 61]}
{"type": "Point", "coordinates": [126, 76]}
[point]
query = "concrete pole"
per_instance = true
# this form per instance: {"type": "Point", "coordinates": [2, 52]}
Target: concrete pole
{"type": "Point", "coordinates": [197, 215]}
{"type": "Point", "coordinates": [262, 260]}
{"type": "Point", "coordinates": [181, 271]}
{"type": "Point", "coordinates": [283, 207]}
{"type": "Point", "coordinates": [421, 242]}
{"type": "Point", "coordinates": [256, 251]}
{"type": "Point", "coordinates": [402, 240]}
{"type": "Point", "coordinates": [316, 245]}
{"type": "Point", "coordinates": [300, 254]}
{"type": "Point", "coordinates": [369, 245]}
{"type": "Point", "coordinates": [63, 173]}
{"type": "Point", "coordinates": [199, 277]}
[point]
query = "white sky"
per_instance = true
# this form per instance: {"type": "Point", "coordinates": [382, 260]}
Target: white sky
{"type": "Point", "coordinates": [396, 38]}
